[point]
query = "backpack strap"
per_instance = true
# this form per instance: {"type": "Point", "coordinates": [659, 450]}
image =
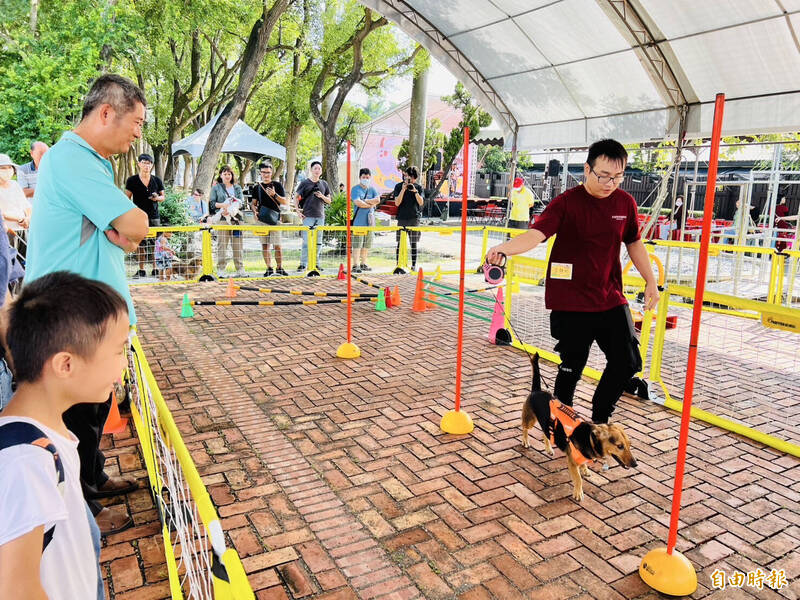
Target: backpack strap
{"type": "Point", "coordinates": [18, 433]}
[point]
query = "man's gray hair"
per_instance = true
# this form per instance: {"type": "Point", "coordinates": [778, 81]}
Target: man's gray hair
{"type": "Point", "coordinates": [33, 144]}
{"type": "Point", "coordinates": [121, 93]}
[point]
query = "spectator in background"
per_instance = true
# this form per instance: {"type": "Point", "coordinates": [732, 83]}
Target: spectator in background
{"type": "Point", "coordinates": [341, 187]}
{"type": "Point", "coordinates": [16, 208]}
{"type": "Point", "coordinates": [676, 226]}
{"type": "Point", "coordinates": [28, 173]}
{"type": "Point", "coordinates": [311, 197]}
{"type": "Point", "coordinates": [365, 198]}
{"type": "Point", "coordinates": [784, 224]}
{"type": "Point", "coordinates": [10, 271]}
{"type": "Point", "coordinates": [165, 256]}
{"type": "Point", "coordinates": [268, 197]}
{"type": "Point", "coordinates": [521, 199]}
{"type": "Point", "coordinates": [146, 191]}
{"type": "Point", "coordinates": [196, 207]}
{"type": "Point", "coordinates": [408, 199]}
{"type": "Point", "coordinates": [227, 198]}
{"type": "Point", "coordinates": [85, 224]}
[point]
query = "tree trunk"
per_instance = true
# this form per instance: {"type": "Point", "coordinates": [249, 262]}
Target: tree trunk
{"type": "Point", "coordinates": [252, 58]}
{"type": "Point", "coordinates": [330, 155]}
{"type": "Point", "coordinates": [292, 141]}
{"type": "Point", "coordinates": [416, 130]}
{"type": "Point", "coordinates": [34, 21]}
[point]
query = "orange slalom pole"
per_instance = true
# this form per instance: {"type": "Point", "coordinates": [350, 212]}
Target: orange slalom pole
{"type": "Point", "coordinates": [348, 349]}
{"type": "Point", "coordinates": [705, 239]}
{"type": "Point", "coordinates": [464, 194]}
{"type": "Point", "coordinates": [349, 258]}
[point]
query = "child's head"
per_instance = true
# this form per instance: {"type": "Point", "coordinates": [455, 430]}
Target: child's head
{"type": "Point", "coordinates": [166, 234]}
{"type": "Point", "coordinates": [71, 330]}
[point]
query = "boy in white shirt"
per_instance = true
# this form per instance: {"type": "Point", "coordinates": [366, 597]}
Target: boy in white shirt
{"type": "Point", "coordinates": [61, 357]}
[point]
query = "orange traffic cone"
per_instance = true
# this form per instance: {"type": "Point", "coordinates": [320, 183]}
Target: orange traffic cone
{"type": "Point", "coordinates": [396, 301]}
{"type": "Point", "coordinates": [231, 291]}
{"type": "Point", "coordinates": [114, 423]}
{"type": "Point", "coordinates": [387, 294]}
{"type": "Point", "coordinates": [430, 298]}
{"type": "Point", "coordinates": [341, 275]}
{"type": "Point", "coordinates": [419, 298]}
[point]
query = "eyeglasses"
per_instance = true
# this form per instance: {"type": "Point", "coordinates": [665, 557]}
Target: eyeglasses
{"type": "Point", "coordinates": [617, 179]}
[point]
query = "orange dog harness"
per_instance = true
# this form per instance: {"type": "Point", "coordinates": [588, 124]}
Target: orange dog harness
{"type": "Point", "coordinates": [569, 420]}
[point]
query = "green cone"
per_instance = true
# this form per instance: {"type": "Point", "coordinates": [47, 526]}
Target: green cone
{"type": "Point", "coordinates": [381, 303]}
{"type": "Point", "coordinates": [186, 308]}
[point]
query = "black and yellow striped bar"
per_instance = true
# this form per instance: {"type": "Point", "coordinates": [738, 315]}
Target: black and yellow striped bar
{"type": "Point", "coordinates": [302, 292]}
{"type": "Point", "coordinates": [365, 282]}
{"type": "Point", "coordinates": [277, 302]}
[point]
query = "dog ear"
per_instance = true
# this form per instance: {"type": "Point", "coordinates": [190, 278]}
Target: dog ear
{"type": "Point", "coordinates": [598, 436]}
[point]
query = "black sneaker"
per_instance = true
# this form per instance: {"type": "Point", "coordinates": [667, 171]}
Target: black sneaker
{"type": "Point", "coordinates": [301, 268]}
{"type": "Point", "coordinates": [154, 273]}
{"type": "Point", "coordinates": [413, 267]}
{"type": "Point", "coordinates": [268, 272]}
{"type": "Point", "coordinates": [366, 268]}
{"type": "Point", "coordinates": [357, 269]}
{"type": "Point", "coordinates": [141, 273]}
{"type": "Point", "coordinates": [280, 271]}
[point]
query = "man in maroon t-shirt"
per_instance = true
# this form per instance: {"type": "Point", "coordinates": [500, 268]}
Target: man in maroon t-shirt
{"type": "Point", "coordinates": [584, 276]}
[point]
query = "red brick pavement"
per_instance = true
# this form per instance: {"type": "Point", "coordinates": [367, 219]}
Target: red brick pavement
{"type": "Point", "coordinates": [333, 480]}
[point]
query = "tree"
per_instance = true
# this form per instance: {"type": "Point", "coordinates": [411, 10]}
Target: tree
{"type": "Point", "coordinates": [255, 50]}
{"type": "Point", "coordinates": [355, 50]}
{"type": "Point", "coordinates": [472, 116]}
{"type": "Point", "coordinates": [434, 141]}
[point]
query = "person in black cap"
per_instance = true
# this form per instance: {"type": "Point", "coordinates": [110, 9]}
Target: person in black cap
{"type": "Point", "coordinates": [146, 191]}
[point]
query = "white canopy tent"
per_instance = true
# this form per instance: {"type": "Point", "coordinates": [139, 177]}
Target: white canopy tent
{"type": "Point", "coordinates": [243, 141]}
{"type": "Point", "coordinates": [564, 73]}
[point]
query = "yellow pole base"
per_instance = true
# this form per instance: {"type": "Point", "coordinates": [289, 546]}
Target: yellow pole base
{"type": "Point", "coordinates": [457, 422]}
{"type": "Point", "coordinates": [669, 574]}
{"type": "Point", "coordinates": [348, 350]}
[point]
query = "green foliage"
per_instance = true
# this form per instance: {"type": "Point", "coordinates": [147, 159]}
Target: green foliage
{"type": "Point", "coordinates": [336, 214]}
{"type": "Point", "coordinates": [496, 160]}
{"type": "Point", "coordinates": [434, 139]}
{"type": "Point", "coordinates": [173, 210]}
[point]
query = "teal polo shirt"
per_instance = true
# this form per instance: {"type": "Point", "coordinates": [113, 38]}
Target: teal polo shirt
{"type": "Point", "coordinates": [76, 200]}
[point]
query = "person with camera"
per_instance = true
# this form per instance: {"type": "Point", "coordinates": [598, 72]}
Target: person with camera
{"type": "Point", "coordinates": [409, 199]}
{"type": "Point", "coordinates": [267, 197]}
{"type": "Point", "coordinates": [147, 191]}
{"type": "Point", "coordinates": [312, 195]}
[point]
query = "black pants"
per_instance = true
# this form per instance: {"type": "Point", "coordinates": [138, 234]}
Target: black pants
{"type": "Point", "coordinates": [86, 422]}
{"type": "Point", "coordinates": [413, 238]}
{"type": "Point", "coordinates": [613, 331]}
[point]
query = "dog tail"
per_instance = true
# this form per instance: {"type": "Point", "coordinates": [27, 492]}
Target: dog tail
{"type": "Point", "coordinates": [537, 377]}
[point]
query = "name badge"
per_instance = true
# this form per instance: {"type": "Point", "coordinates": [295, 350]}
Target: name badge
{"type": "Point", "coordinates": [561, 271]}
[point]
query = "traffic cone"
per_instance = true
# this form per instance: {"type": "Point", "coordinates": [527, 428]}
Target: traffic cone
{"type": "Point", "coordinates": [419, 299]}
{"type": "Point", "coordinates": [498, 334]}
{"type": "Point", "coordinates": [387, 294]}
{"type": "Point", "coordinates": [341, 275]}
{"type": "Point", "coordinates": [186, 308]}
{"type": "Point", "coordinates": [430, 298]}
{"type": "Point", "coordinates": [396, 301]}
{"type": "Point", "coordinates": [231, 291]}
{"type": "Point", "coordinates": [114, 423]}
{"type": "Point", "coordinates": [437, 274]}
{"type": "Point", "coordinates": [381, 304]}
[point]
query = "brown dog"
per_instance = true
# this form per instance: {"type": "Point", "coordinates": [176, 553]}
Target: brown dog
{"type": "Point", "coordinates": [189, 268]}
{"type": "Point", "coordinates": [581, 441]}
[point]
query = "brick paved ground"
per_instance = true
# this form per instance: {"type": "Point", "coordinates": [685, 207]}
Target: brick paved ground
{"type": "Point", "coordinates": [334, 481]}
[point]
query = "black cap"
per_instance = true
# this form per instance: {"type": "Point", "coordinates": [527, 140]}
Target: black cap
{"type": "Point", "coordinates": [146, 157]}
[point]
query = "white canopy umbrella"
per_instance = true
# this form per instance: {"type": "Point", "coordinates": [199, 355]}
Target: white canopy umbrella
{"type": "Point", "coordinates": [242, 141]}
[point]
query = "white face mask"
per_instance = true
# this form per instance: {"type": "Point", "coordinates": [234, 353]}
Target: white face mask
{"type": "Point", "coordinates": [678, 202]}
{"type": "Point", "coordinates": [365, 181]}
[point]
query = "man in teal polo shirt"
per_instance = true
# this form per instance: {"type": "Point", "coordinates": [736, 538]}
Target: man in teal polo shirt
{"type": "Point", "coordinates": [84, 223]}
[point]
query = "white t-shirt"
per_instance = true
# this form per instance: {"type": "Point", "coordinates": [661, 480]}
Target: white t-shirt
{"type": "Point", "coordinates": [29, 498]}
{"type": "Point", "coordinates": [13, 203]}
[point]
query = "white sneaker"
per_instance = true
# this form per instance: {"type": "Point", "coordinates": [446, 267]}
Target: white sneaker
{"type": "Point", "coordinates": [241, 273]}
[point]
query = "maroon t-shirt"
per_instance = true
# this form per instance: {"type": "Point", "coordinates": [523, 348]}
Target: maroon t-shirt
{"type": "Point", "coordinates": [584, 273]}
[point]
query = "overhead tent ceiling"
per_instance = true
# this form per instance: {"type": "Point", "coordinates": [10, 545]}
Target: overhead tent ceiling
{"type": "Point", "coordinates": [564, 73]}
